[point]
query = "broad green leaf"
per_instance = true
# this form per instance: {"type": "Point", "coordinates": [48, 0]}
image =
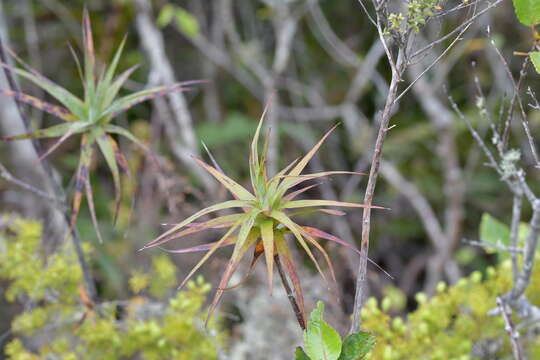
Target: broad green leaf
{"type": "Point", "coordinates": [535, 59]}
{"type": "Point", "coordinates": [527, 11]}
{"type": "Point", "coordinates": [187, 23]}
{"type": "Point", "coordinates": [356, 346]}
{"type": "Point", "coordinates": [321, 341]}
{"type": "Point", "coordinates": [166, 15]}
{"type": "Point", "coordinates": [493, 231]}
{"type": "Point", "coordinates": [299, 354]}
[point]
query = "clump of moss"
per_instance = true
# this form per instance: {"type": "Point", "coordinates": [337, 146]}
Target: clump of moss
{"type": "Point", "coordinates": [62, 325]}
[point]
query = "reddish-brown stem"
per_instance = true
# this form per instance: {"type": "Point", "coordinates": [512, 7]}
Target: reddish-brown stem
{"type": "Point", "coordinates": [290, 294]}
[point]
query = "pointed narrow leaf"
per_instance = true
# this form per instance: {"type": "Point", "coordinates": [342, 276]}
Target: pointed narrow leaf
{"type": "Point", "coordinates": [273, 183]}
{"type": "Point", "coordinates": [294, 194]}
{"type": "Point", "coordinates": [111, 69]}
{"type": "Point", "coordinates": [239, 252]}
{"type": "Point", "coordinates": [302, 163]}
{"type": "Point", "coordinates": [50, 132]}
{"type": "Point", "coordinates": [87, 151]}
{"type": "Point", "coordinates": [91, 208]}
{"type": "Point", "coordinates": [111, 91]}
{"type": "Point", "coordinates": [291, 225]}
{"type": "Point", "coordinates": [55, 146]}
{"type": "Point", "coordinates": [290, 181]}
{"type": "Point", "coordinates": [245, 229]}
{"type": "Point", "coordinates": [203, 247]}
{"type": "Point", "coordinates": [128, 101]}
{"type": "Point", "coordinates": [58, 111]}
{"type": "Point", "coordinates": [210, 209]}
{"type": "Point", "coordinates": [309, 211]}
{"type": "Point", "coordinates": [89, 56]}
{"type": "Point", "coordinates": [267, 234]}
{"type": "Point", "coordinates": [214, 162]}
{"type": "Point", "coordinates": [209, 253]}
{"type": "Point", "coordinates": [236, 189]}
{"type": "Point", "coordinates": [314, 242]}
{"type": "Point", "coordinates": [70, 101]}
{"type": "Point", "coordinates": [121, 160]}
{"type": "Point", "coordinates": [257, 252]}
{"type": "Point", "coordinates": [254, 155]}
{"type": "Point", "coordinates": [308, 203]}
{"type": "Point", "coordinates": [77, 62]}
{"type": "Point", "coordinates": [285, 256]}
{"type": "Point", "coordinates": [324, 235]}
{"type": "Point", "coordinates": [113, 129]}
{"type": "Point", "coordinates": [222, 221]}
{"type": "Point", "coordinates": [109, 148]}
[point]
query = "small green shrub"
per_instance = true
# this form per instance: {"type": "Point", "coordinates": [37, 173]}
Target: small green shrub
{"type": "Point", "coordinates": [454, 323]}
{"type": "Point", "coordinates": [63, 324]}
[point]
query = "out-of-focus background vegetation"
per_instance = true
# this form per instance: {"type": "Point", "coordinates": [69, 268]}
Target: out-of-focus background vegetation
{"type": "Point", "coordinates": [324, 63]}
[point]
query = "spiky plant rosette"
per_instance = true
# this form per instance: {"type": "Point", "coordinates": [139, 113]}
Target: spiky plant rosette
{"type": "Point", "coordinates": [90, 116]}
{"type": "Point", "coordinates": [266, 219]}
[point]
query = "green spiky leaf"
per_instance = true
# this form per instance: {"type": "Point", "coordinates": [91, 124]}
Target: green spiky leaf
{"type": "Point", "coordinates": [265, 220]}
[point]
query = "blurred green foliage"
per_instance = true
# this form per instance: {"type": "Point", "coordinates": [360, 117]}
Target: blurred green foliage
{"type": "Point", "coordinates": [59, 322]}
